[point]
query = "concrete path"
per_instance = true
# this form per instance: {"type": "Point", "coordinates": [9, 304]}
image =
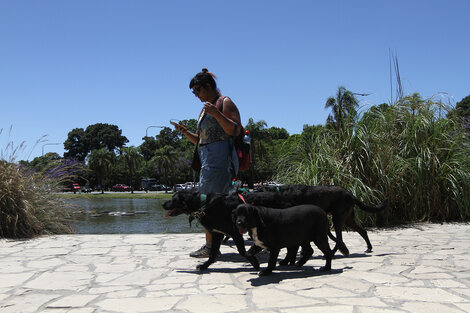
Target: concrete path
{"type": "Point", "coordinates": [424, 268]}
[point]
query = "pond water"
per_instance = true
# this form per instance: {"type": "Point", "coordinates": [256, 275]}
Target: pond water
{"type": "Point", "coordinates": [127, 216]}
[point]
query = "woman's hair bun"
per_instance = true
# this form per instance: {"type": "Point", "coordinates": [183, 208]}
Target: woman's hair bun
{"type": "Point", "coordinates": [206, 71]}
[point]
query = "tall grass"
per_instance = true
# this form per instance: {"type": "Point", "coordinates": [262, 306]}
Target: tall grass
{"type": "Point", "coordinates": [29, 205]}
{"type": "Point", "coordinates": [409, 155]}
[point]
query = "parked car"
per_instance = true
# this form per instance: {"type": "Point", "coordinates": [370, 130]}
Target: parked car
{"type": "Point", "coordinates": [121, 187]}
{"type": "Point", "coordinates": [191, 186]}
{"type": "Point", "coordinates": [179, 187]}
{"type": "Point", "coordinates": [87, 189]}
{"type": "Point", "coordinates": [156, 187]}
{"type": "Point", "coordinates": [76, 187]}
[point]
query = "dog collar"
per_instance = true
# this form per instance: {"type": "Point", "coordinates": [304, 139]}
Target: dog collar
{"type": "Point", "coordinates": [203, 199]}
{"type": "Point", "coordinates": [200, 213]}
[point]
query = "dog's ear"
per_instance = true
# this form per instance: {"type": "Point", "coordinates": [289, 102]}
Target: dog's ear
{"type": "Point", "coordinates": [235, 212]}
{"type": "Point", "coordinates": [234, 215]}
{"type": "Point", "coordinates": [211, 200]}
{"type": "Point", "coordinates": [189, 200]}
{"type": "Point", "coordinates": [215, 200]}
{"type": "Point", "coordinates": [255, 211]}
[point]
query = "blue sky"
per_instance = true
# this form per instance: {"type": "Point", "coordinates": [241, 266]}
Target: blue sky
{"type": "Point", "coordinates": [70, 64]}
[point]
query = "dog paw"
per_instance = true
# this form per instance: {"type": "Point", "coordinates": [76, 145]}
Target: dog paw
{"type": "Point", "coordinates": [265, 272]}
{"type": "Point", "coordinates": [325, 268]}
{"type": "Point", "coordinates": [283, 262]}
{"type": "Point", "coordinates": [368, 250]}
{"type": "Point", "coordinates": [202, 267]}
{"type": "Point", "coordinates": [344, 251]}
{"type": "Point", "coordinates": [254, 262]}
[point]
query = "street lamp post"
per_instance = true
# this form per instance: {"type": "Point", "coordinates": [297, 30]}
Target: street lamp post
{"type": "Point", "coordinates": [146, 131]}
{"type": "Point", "coordinates": [49, 144]}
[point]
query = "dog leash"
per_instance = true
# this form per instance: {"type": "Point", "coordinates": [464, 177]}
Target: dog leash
{"type": "Point", "coordinates": [241, 197]}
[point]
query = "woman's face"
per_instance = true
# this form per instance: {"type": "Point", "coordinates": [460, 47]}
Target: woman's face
{"type": "Point", "coordinates": [201, 92]}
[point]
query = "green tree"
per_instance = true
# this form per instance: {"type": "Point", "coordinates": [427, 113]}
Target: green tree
{"type": "Point", "coordinates": [344, 106]}
{"type": "Point", "coordinates": [165, 160]}
{"type": "Point", "coordinates": [107, 136]}
{"type": "Point", "coordinates": [413, 103]}
{"type": "Point", "coordinates": [45, 162]}
{"type": "Point", "coordinates": [148, 147]}
{"type": "Point", "coordinates": [258, 150]}
{"type": "Point", "coordinates": [80, 142]}
{"type": "Point", "coordinates": [76, 145]}
{"type": "Point", "coordinates": [100, 161]}
{"type": "Point", "coordinates": [275, 133]}
{"type": "Point", "coordinates": [463, 107]}
{"type": "Point", "coordinates": [132, 159]}
{"type": "Point", "coordinates": [168, 137]}
{"type": "Point", "coordinates": [461, 113]}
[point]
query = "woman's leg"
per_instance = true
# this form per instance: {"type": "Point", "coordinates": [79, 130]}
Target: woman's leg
{"type": "Point", "coordinates": [208, 238]}
{"type": "Point", "coordinates": [215, 177]}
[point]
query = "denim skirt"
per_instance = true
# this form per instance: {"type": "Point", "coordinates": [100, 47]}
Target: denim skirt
{"type": "Point", "coordinates": [219, 166]}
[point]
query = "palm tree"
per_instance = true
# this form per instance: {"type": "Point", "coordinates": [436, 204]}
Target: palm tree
{"type": "Point", "coordinates": [165, 160]}
{"type": "Point", "coordinates": [257, 148]}
{"type": "Point", "coordinates": [344, 107]}
{"type": "Point", "coordinates": [413, 103]}
{"type": "Point", "coordinates": [132, 159]}
{"type": "Point", "coordinates": [101, 161]}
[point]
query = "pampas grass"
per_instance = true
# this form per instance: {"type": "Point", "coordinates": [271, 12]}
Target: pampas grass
{"type": "Point", "coordinates": [29, 204]}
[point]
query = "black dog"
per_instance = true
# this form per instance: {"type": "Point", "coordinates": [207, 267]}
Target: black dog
{"type": "Point", "coordinates": [274, 229]}
{"type": "Point", "coordinates": [215, 214]}
{"type": "Point", "coordinates": [335, 200]}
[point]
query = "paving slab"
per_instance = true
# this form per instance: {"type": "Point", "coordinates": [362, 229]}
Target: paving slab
{"type": "Point", "coordinates": [420, 268]}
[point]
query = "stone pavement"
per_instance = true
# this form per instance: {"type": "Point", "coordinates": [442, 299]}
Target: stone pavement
{"type": "Point", "coordinates": [422, 268]}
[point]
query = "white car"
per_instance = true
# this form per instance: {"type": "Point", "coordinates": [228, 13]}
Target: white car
{"type": "Point", "coordinates": [179, 187]}
{"type": "Point", "coordinates": [191, 186]}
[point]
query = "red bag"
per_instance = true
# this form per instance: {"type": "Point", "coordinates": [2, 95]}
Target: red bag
{"type": "Point", "coordinates": [243, 151]}
{"type": "Point", "coordinates": [242, 148]}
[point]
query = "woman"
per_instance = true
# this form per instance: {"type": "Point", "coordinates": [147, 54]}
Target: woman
{"type": "Point", "coordinates": [218, 124]}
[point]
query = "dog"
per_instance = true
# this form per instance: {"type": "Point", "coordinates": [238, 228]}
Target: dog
{"type": "Point", "coordinates": [274, 229]}
{"type": "Point", "coordinates": [214, 211]}
{"type": "Point", "coordinates": [335, 200]}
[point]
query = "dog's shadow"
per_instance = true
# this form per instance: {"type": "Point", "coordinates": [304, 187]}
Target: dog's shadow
{"type": "Point", "coordinates": [289, 272]}
{"type": "Point", "coordinates": [352, 256]}
{"type": "Point", "coordinates": [234, 257]}
{"type": "Point", "coordinates": [282, 272]}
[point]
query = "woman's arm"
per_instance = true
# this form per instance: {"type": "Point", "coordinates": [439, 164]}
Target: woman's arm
{"type": "Point", "coordinates": [229, 119]}
{"type": "Point", "coordinates": [193, 137]}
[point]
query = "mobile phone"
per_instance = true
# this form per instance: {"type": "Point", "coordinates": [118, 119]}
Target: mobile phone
{"type": "Point", "coordinates": [179, 125]}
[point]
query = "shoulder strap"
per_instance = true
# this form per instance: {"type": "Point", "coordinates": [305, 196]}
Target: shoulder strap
{"type": "Point", "coordinates": [220, 103]}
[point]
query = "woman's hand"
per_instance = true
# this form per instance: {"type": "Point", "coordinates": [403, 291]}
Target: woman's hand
{"type": "Point", "coordinates": [211, 109]}
{"type": "Point", "coordinates": [181, 128]}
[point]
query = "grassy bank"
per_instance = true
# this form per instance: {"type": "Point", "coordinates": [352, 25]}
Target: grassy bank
{"type": "Point", "coordinates": [116, 195]}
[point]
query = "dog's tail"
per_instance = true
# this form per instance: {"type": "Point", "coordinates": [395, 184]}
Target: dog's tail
{"type": "Point", "coordinates": [371, 209]}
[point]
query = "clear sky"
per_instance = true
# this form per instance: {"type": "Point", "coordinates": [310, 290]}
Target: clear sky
{"type": "Point", "coordinates": [70, 64]}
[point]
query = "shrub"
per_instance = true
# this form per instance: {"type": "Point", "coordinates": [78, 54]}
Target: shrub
{"type": "Point", "coordinates": [405, 152]}
{"type": "Point", "coordinates": [29, 205]}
